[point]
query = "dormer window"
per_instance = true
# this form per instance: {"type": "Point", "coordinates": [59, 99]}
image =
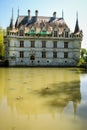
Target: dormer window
{"type": "Point", "coordinates": [21, 33]}
{"type": "Point", "coordinates": [66, 34]}
{"type": "Point", "coordinates": [55, 33]}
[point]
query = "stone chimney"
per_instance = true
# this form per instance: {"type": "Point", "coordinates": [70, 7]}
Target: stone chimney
{"type": "Point", "coordinates": [36, 14]}
{"type": "Point", "coordinates": [29, 15]}
{"type": "Point", "coordinates": [54, 14]}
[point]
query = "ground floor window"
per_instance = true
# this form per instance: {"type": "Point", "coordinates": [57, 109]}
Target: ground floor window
{"type": "Point", "coordinates": [65, 54]}
{"type": "Point", "coordinates": [32, 57]}
{"type": "Point", "coordinates": [43, 54]}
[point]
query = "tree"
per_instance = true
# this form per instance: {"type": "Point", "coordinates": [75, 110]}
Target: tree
{"type": "Point", "coordinates": [83, 52]}
{"type": "Point", "coordinates": [1, 43]}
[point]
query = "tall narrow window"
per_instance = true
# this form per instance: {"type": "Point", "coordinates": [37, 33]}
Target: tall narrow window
{"type": "Point", "coordinates": [65, 44]}
{"type": "Point", "coordinates": [32, 43]}
{"type": "Point", "coordinates": [43, 54]}
{"type": "Point", "coordinates": [66, 34]}
{"type": "Point", "coordinates": [21, 33]}
{"type": "Point", "coordinates": [43, 44]}
{"type": "Point", "coordinates": [8, 43]}
{"type": "Point", "coordinates": [21, 43]}
{"type": "Point", "coordinates": [55, 33]}
{"type": "Point", "coordinates": [55, 44]}
{"type": "Point", "coordinates": [65, 54]}
{"type": "Point", "coordinates": [21, 54]}
{"type": "Point", "coordinates": [54, 54]}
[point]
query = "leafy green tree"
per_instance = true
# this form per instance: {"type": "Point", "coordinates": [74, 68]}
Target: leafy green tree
{"type": "Point", "coordinates": [1, 43]}
{"type": "Point", "coordinates": [83, 52]}
{"type": "Point", "coordinates": [83, 59]}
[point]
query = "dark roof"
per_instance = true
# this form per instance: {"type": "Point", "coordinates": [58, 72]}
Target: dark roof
{"type": "Point", "coordinates": [39, 22]}
{"type": "Point", "coordinates": [76, 27]}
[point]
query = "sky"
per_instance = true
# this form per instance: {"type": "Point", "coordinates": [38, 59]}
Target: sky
{"type": "Point", "coordinates": [46, 8]}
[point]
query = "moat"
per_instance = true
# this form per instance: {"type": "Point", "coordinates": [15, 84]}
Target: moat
{"type": "Point", "coordinates": [43, 99]}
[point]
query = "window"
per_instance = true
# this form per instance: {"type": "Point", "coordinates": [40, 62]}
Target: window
{"type": "Point", "coordinates": [32, 43]}
{"type": "Point", "coordinates": [55, 44]}
{"type": "Point", "coordinates": [43, 54]}
{"type": "Point", "coordinates": [55, 33]}
{"type": "Point", "coordinates": [66, 34]}
{"type": "Point", "coordinates": [8, 44]}
{"type": "Point", "coordinates": [21, 43]}
{"type": "Point", "coordinates": [21, 33]}
{"type": "Point", "coordinates": [65, 44]}
{"type": "Point", "coordinates": [32, 57]}
{"type": "Point", "coordinates": [43, 44]}
{"type": "Point", "coordinates": [21, 54]}
{"type": "Point", "coordinates": [54, 54]}
{"type": "Point", "coordinates": [65, 54]}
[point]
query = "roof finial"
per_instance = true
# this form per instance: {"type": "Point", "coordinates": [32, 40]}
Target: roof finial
{"type": "Point", "coordinates": [12, 21]}
{"type": "Point", "coordinates": [18, 11]}
{"type": "Point", "coordinates": [77, 15]}
{"type": "Point", "coordinates": [62, 14]}
{"type": "Point", "coordinates": [12, 13]}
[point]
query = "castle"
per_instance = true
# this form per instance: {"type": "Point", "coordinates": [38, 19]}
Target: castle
{"type": "Point", "coordinates": [42, 41]}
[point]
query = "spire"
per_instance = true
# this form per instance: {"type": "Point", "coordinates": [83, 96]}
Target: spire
{"type": "Point", "coordinates": [16, 24]}
{"type": "Point", "coordinates": [18, 12]}
{"type": "Point", "coordinates": [62, 14]}
{"type": "Point", "coordinates": [12, 20]}
{"type": "Point", "coordinates": [77, 25]}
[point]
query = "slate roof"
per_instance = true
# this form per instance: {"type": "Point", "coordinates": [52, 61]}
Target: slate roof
{"type": "Point", "coordinates": [48, 22]}
{"type": "Point", "coordinates": [40, 22]}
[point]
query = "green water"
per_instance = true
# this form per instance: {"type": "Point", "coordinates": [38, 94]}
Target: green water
{"type": "Point", "coordinates": [43, 99]}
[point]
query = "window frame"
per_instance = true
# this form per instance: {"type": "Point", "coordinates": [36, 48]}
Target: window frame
{"type": "Point", "coordinates": [65, 54]}
{"type": "Point", "coordinates": [43, 54]}
{"type": "Point", "coordinates": [21, 54]}
{"type": "Point", "coordinates": [21, 32]}
{"type": "Point", "coordinates": [55, 33]}
{"type": "Point", "coordinates": [21, 43]}
{"type": "Point", "coordinates": [32, 44]}
{"type": "Point", "coordinates": [55, 54]}
{"type": "Point", "coordinates": [43, 44]}
{"type": "Point", "coordinates": [54, 44]}
{"type": "Point", "coordinates": [66, 34]}
{"type": "Point", "coordinates": [65, 44]}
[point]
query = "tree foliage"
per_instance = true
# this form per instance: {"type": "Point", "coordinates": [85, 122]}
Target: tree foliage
{"type": "Point", "coordinates": [83, 52]}
{"type": "Point", "coordinates": [83, 58]}
{"type": "Point", "coordinates": [1, 43]}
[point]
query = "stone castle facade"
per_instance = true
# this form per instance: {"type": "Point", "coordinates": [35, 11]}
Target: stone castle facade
{"type": "Point", "coordinates": [42, 41]}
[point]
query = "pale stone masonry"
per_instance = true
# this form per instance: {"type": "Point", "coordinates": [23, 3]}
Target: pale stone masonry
{"type": "Point", "coordinates": [42, 41]}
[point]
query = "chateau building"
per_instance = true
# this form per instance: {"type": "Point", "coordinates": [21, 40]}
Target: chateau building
{"type": "Point", "coordinates": [42, 41]}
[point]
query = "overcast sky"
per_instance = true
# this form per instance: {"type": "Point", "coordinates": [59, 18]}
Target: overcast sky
{"type": "Point", "coordinates": [46, 8]}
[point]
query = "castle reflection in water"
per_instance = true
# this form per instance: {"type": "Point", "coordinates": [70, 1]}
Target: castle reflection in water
{"type": "Point", "coordinates": [36, 91]}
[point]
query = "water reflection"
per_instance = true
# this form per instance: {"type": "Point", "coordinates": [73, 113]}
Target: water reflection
{"type": "Point", "coordinates": [40, 96]}
{"type": "Point", "coordinates": [61, 94]}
